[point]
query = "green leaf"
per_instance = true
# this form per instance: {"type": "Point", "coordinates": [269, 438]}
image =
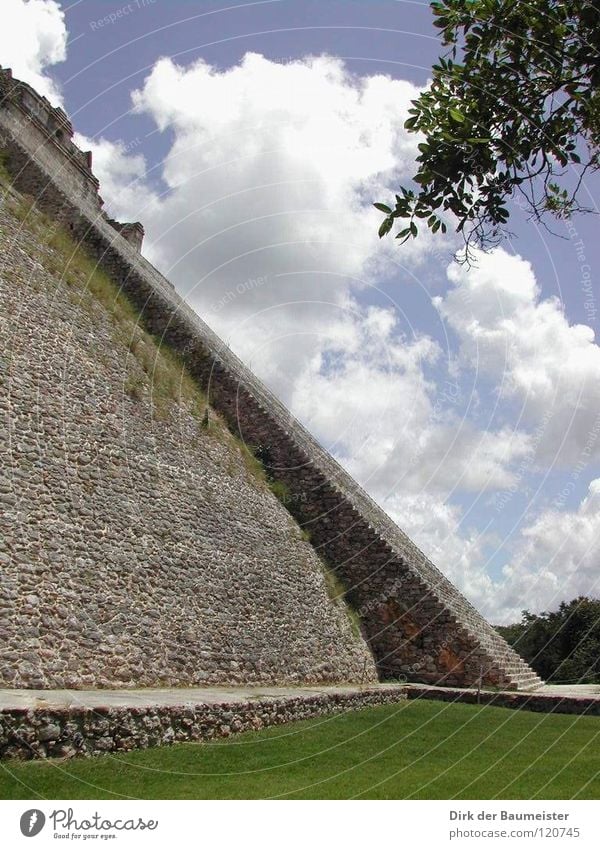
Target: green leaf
{"type": "Point", "coordinates": [386, 226]}
{"type": "Point", "coordinates": [457, 116]}
{"type": "Point", "coordinates": [421, 179]}
{"type": "Point", "coordinates": [382, 207]}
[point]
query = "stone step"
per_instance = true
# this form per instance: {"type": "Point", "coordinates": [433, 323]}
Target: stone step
{"type": "Point", "coordinates": [527, 683]}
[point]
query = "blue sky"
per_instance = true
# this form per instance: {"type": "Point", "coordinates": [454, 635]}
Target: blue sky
{"type": "Point", "coordinates": [250, 140]}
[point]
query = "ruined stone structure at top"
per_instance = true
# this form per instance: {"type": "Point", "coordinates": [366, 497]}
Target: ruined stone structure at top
{"type": "Point", "coordinates": [68, 164]}
{"type": "Point", "coordinates": [158, 562]}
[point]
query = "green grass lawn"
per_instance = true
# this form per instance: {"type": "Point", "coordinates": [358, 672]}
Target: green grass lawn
{"type": "Point", "coordinates": [417, 749]}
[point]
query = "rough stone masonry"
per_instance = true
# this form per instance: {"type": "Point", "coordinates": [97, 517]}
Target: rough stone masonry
{"type": "Point", "coordinates": [145, 549]}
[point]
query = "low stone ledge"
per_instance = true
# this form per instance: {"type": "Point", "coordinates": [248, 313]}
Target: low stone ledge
{"type": "Point", "coordinates": [535, 700]}
{"type": "Point", "coordinates": [81, 731]}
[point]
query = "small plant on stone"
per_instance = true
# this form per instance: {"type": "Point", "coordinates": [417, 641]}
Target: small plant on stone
{"type": "Point", "coordinates": [280, 490]}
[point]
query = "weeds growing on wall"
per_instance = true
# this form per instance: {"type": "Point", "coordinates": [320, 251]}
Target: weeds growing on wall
{"type": "Point", "coordinates": [153, 372]}
{"type": "Point", "coordinates": [259, 459]}
{"type": "Point", "coordinates": [337, 592]}
{"type": "Point", "coordinates": [4, 175]}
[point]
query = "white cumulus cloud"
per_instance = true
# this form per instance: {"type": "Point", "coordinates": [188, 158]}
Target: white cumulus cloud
{"type": "Point", "coordinates": [33, 36]}
{"type": "Point", "coordinates": [271, 173]}
{"type": "Point", "coordinates": [536, 359]}
{"type": "Point", "coordinates": [365, 394]}
{"type": "Point", "coordinates": [558, 558]}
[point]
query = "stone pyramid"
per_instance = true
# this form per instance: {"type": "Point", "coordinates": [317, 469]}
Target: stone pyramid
{"type": "Point", "coordinates": [166, 521]}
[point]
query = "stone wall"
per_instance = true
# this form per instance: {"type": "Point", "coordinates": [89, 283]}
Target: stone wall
{"type": "Point", "coordinates": [139, 546]}
{"type": "Point", "coordinates": [416, 623]}
{"type": "Point", "coordinates": [47, 733]}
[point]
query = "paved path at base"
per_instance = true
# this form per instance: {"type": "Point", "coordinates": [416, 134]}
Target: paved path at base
{"type": "Point", "coordinates": [550, 698]}
{"type": "Point", "coordinates": [176, 696]}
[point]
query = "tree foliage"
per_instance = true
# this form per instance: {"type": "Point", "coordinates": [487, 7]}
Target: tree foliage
{"type": "Point", "coordinates": [563, 646]}
{"type": "Point", "coordinates": [513, 107]}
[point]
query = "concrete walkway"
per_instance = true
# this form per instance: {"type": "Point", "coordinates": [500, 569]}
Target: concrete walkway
{"type": "Point", "coordinates": [169, 697]}
{"type": "Point", "coordinates": [550, 698]}
{"type": "Point", "coordinates": [565, 691]}
{"type": "Point", "coordinates": [571, 690]}
{"type": "Point", "coordinates": [176, 697]}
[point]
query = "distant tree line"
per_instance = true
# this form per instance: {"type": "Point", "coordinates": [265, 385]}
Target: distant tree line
{"type": "Point", "coordinates": [562, 646]}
